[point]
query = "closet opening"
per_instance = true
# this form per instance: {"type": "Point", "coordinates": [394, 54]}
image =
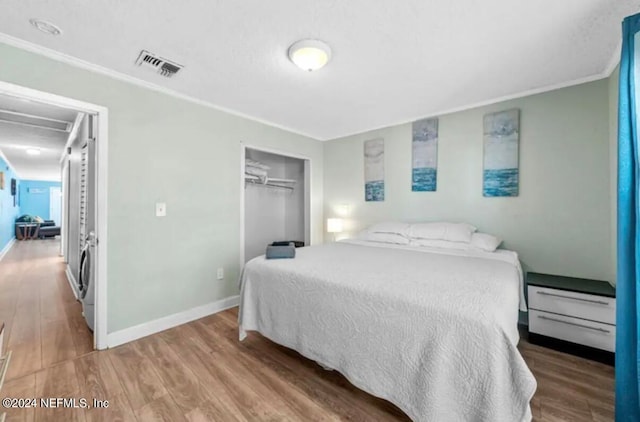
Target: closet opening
{"type": "Point", "coordinates": [275, 200]}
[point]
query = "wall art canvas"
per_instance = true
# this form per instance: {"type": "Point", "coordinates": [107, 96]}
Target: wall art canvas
{"type": "Point", "coordinates": [374, 170]}
{"type": "Point", "coordinates": [424, 161]}
{"type": "Point", "coordinates": [501, 139]}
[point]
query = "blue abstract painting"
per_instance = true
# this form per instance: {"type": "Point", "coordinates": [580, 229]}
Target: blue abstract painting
{"type": "Point", "coordinates": [374, 170]}
{"type": "Point", "coordinates": [424, 161]}
{"type": "Point", "coordinates": [501, 138]}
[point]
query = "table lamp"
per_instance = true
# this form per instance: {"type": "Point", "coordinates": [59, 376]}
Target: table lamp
{"type": "Point", "coordinates": [334, 225]}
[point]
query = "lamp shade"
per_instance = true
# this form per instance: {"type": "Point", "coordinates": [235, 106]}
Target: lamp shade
{"type": "Point", "coordinates": [334, 225]}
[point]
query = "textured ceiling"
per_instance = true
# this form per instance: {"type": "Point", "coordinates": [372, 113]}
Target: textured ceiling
{"type": "Point", "coordinates": [393, 61]}
{"type": "Point", "coordinates": [15, 139]}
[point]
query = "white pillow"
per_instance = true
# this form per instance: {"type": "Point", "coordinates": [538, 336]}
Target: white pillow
{"type": "Point", "coordinates": [443, 244]}
{"type": "Point", "coordinates": [454, 232]}
{"type": "Point", "coordinates": [485, 242]}
{"type": "Point", "coordinates": [396, 239]}
{"type": "Point", "coordinates": [390, 227]}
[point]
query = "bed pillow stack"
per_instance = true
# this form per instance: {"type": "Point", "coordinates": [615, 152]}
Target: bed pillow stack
{"type": "Point", "coordinates": [387, 232]}
{"type": "Point", "coordinates": [485, 242]}
{"type": "Point", "coordinates": [452, 232]}
{"type": "Point", "coordinates": [444, 235]}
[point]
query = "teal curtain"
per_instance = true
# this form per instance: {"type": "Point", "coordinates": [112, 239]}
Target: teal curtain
{"type": "Point", "coordinates": [628, 310]}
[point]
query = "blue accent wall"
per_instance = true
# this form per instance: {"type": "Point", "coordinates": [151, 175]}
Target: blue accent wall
{"type": "Point", "coordinates": [8, 212]}
{"type": "Point", "coordinates": [34, 198]}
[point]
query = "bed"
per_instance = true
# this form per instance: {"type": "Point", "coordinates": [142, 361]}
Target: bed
{"type": "Point", "coordinates": [432, 330]}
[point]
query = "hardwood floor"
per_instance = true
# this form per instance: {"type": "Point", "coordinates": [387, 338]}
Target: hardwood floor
{"type": "Point", "coordinates": [201, 372]}
{"type": "Point", "coordinates": [44, 323]}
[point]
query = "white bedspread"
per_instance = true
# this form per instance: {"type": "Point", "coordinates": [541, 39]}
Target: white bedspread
{"type": "Point", "coordinates": [432, 331]}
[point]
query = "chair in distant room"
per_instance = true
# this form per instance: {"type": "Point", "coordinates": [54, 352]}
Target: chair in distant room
{"type": "Point", "coordinates": [48, 229]}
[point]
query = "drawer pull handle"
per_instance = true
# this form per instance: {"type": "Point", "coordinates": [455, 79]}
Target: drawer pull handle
{"type": "Point", "coordinates": [599, 302]}
{"type": "Point", "coordinates": [602, 330]}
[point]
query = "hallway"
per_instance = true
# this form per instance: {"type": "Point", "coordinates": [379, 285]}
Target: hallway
{"type": "Point", "coordinates": [43, 320]}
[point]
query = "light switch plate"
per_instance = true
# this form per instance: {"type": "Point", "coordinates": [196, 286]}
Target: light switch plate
{"type": "Point", "coordinates": [220, 273]}
{"type": "Point", "coordinates": [161, 209]}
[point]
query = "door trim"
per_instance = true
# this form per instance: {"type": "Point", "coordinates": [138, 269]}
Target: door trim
{"type": "Point", "coordinates": [64, 224]}
{"type": "Point", "coordinates": [52, 189]}
{"type": "Point", "coordinates": [101, 186]}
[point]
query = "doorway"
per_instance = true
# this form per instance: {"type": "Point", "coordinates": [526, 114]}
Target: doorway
{"type": "Point", "coordinates": [93, 120]}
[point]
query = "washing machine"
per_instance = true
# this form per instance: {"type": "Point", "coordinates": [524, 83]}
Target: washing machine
{"type": "Point", "coordinates": [86, 284]}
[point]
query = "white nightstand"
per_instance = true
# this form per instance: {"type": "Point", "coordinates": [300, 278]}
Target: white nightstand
{"type": "Point", "coordinates": [573, 315]}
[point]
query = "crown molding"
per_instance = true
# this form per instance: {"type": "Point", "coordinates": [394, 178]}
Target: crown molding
{"type": "Point", "coordinates": [522, 94]}
{"type": "Point", "coordinates": [83, 64]}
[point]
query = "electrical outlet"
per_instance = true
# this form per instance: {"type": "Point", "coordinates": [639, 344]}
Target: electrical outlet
{"type": "Point", "coordinates": [220, 273]}
{"type": "Point", "coordinates": [161, 209]}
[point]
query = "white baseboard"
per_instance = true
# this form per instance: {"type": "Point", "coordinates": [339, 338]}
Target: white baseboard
{"type": "Point", "coordinates": [8, 246]}
{"type": "Point", "coordinates": [72, 281]}
{"type": "Point", "coordinates": [142, 330]}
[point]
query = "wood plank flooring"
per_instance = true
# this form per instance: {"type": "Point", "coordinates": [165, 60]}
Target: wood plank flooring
{"type": "Point", "coordinates": [200, 372]}
{"type": "Point", "coordinates": [44, 323]}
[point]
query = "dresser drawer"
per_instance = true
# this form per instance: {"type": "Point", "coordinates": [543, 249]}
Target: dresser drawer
{"type": "Point", "coordinates": [579, 305]}
{"type": "Point", "coordinates": [588, 333]}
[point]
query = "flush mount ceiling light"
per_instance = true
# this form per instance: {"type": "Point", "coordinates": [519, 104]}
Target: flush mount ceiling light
{"type": "Point", "coordinates": [310, 54]}
{"type": "Point", "coordinates": [33, 151]}
{"type": "Point", "coordinates": [46, 27]}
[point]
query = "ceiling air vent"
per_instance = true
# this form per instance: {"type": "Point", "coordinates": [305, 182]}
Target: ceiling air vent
{"type": "Point", "coordinates": [162, 66]}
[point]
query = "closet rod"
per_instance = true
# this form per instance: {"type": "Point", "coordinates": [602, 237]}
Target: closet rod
{"type": "Point", "coordinates": [257, 183]}
{"type": "Point", "coordinates": [270, 179]}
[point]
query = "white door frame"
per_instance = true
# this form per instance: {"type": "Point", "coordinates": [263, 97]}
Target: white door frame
{"type": "Point", "coordinates": [64, 241]}
{"type": "Point", "coordinates": [100, 331]}
{"type": "Point", "coordinates": [308, 209]}
{"type": "Point", "coordinates": [52, 204]}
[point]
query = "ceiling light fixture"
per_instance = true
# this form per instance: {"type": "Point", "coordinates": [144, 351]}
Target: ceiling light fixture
{"type": "Point", "coordinates": [310, 54]}
{"type": "Point", "coordinates": [33, 151]}
{"type": "Point", "coordinates": [46, 27]}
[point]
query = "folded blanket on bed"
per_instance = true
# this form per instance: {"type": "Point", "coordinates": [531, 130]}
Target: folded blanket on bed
{"type": "Point", "coordinates": [280, 252]}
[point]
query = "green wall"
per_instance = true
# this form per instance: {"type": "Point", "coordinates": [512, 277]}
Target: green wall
{"type": "Point", "coordinates": [165, 149]}
{"type": "Point", "coordinates": [613, 160]}
{"type": "Point", "coordinates": [560, 223]}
